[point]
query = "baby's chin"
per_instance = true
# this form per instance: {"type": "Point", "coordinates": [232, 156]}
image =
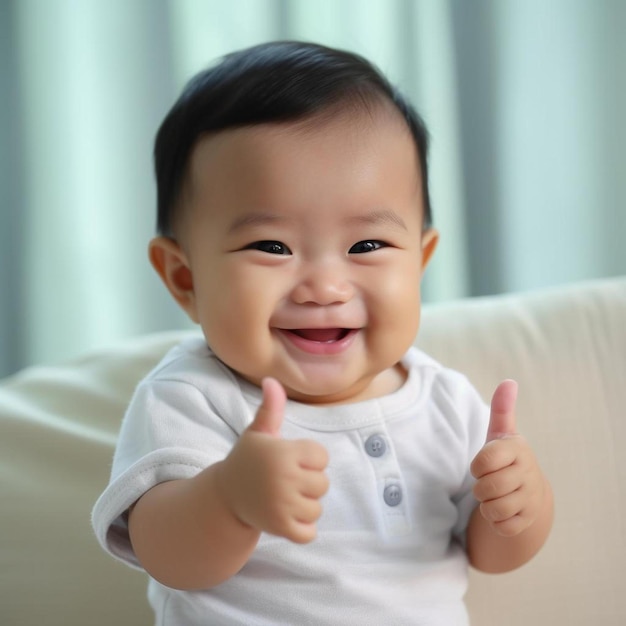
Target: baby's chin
{"type": "Point", "coordinates": [318, 397]}
{"type": "Point", "coordinates": [327, 386]}
{"type": "Point", "coordinates": [327, 393]}
{"type": "Point", "coordinates": [311, 390]}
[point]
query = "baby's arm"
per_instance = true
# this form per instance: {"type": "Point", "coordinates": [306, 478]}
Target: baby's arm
{"type": "Point", "coordinates": [198, 532]}
{"type": "Point", "coordinates": [516, 507]}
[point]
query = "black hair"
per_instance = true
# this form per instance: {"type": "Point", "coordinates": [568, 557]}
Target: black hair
{"type": "Point", "coordinates": [274, 82]}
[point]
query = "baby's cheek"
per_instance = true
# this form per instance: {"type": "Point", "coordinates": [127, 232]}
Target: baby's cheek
{"type": "Point", "coordinates": [393, 333]}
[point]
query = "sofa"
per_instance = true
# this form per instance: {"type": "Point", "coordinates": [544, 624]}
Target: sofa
{"type": "Point", "coordinates": [565, 346]}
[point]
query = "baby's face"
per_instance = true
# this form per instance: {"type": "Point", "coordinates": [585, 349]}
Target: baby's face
{"type": "Point", "coordinates": [306, 251]}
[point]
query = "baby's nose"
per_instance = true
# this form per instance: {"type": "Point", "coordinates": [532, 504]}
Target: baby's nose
{"type": "Point", "coordinates": [322, 285]}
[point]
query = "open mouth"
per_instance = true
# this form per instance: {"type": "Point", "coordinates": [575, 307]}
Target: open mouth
{"type": "Point", "coordinates": [321, 335]}
{"type": "Point", "coordinates": [320, 341]}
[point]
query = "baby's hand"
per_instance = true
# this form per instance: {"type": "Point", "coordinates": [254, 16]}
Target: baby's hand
{"type": "Point", "coordinates": [509, 483]}
{"type": "Point", "coordinates": [275, 484]}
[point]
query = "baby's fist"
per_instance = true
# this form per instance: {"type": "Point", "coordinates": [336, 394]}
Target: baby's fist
{"type": "Point", "coordinates": [509, 483]}
{"type": "Point", "coordinates": [275, 484]}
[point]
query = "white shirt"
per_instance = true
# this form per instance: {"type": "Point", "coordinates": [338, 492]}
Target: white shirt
{"type": "Point", "coordinates": [389, 546]}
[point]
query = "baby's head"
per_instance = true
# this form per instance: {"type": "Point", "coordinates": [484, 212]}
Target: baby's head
{"type": "Point", "coordinates": [294, 218]}
{"type": "Point", "coordinates": [273, 83]}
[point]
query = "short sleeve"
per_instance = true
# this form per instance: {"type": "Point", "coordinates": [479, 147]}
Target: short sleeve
{"type": "Point", "coordinates": [169, 432]}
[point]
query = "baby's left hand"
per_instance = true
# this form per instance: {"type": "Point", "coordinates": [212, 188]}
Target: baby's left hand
{"type": "Point", "coordinates": [510, 485]}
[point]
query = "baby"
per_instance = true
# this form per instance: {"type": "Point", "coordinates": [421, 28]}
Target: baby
{"type": "Point", "coordinates": [301, 462]}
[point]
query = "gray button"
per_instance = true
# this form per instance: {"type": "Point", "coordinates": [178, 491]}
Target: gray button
{"type": "Point", "coordinates": [393, 494]}
{"type": "Point", "coordinates": [375, 446]}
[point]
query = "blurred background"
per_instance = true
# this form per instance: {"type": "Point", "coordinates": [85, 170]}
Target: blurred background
{"type": "Point", "coordinates": [525, 101]}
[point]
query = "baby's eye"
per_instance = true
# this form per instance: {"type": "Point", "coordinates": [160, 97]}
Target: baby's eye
{"type": "Point", "coordinates": [271, 247]}
{"type": "Point", "coordinates": [368, 245]}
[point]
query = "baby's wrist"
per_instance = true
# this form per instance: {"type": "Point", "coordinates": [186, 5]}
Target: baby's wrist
{"type": "Point", "coordinates": [224, 491]}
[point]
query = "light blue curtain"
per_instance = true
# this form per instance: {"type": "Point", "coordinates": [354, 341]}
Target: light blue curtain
{"type": "Point", "coordinates": [525, 101]}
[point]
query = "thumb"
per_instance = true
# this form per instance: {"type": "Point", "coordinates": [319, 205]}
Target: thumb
{"type": "Point", "coordinates": [269, 416]}
{"type": "Point", "coordinates": [502, 419]}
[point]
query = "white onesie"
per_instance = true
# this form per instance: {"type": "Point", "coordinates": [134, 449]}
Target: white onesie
{"type": "Point", "coordinates": [389, 547]}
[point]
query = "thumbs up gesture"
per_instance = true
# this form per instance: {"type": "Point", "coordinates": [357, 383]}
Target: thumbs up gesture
{"type": "Point", "coordinates": [275, 484]}
{"type": "Point", "coordinates": [509, 483]}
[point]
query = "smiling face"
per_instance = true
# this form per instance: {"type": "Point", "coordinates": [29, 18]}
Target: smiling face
{"type": "Point", "coordinates": [301, 252]}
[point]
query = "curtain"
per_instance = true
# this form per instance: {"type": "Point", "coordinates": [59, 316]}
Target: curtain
{"type": "Point", "coordinates": [523, 98]}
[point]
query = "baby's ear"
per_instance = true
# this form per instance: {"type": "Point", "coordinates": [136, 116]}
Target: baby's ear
{"type": "Point", "coordinates": [430, 239]}
{"type": "Point", "coordinates": [171, 264]}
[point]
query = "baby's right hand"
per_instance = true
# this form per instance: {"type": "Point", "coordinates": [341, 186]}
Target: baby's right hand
{"type": "Point", "coordinates": [275, 484]}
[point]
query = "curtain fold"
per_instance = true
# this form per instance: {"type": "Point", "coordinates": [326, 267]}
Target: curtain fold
{"type": "Point", "coordinates": [524, 100]}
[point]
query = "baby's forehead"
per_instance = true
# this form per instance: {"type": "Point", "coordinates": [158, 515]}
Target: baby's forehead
{"type": "Point", "coordinates": [348, 120]}
{"type": "Point", "coordinates": [360, 162]}
{"type": "Point", "coordinates": [331, 137]}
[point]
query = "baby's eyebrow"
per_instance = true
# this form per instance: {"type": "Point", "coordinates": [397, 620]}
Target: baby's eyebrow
{"type": "Point", "coordinates": [254, 219]}
{"type": "Point", "coordinates": [375, 217]}
{"type": "Point", "coordinates": [380, 216]}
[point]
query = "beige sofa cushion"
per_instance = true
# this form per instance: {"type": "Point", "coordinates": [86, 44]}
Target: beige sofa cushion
{"type": "Point", "coordinates": [566, 347]}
